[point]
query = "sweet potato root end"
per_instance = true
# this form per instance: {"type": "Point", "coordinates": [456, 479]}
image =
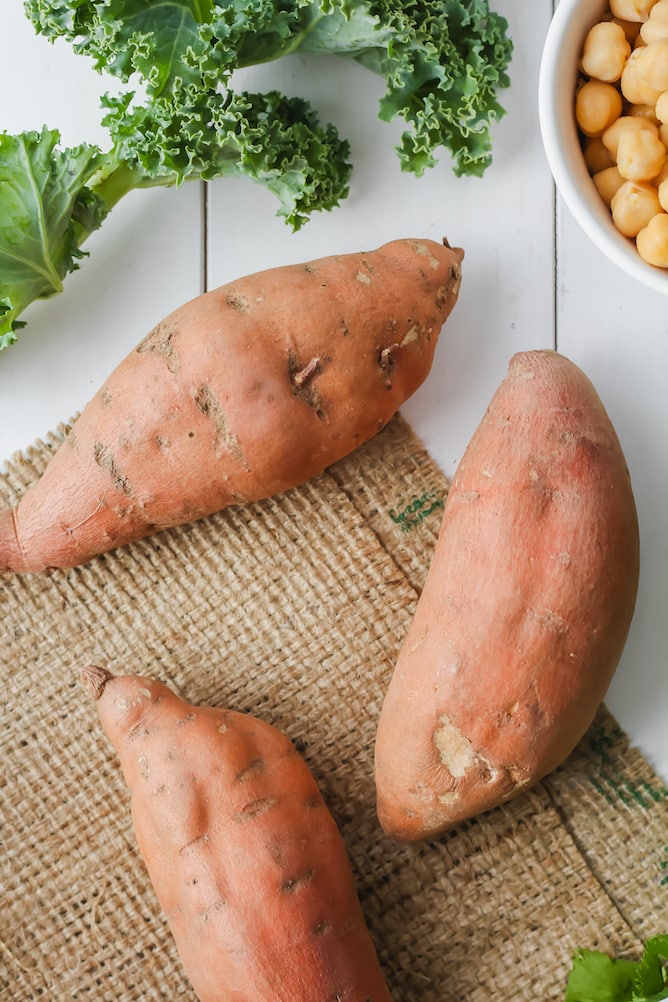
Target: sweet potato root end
{"type": "Point", "coordinates": [94, 679]}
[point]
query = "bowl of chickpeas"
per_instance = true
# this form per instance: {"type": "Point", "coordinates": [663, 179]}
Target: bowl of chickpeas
{"type": "Point", "coordinates": [603, 109]}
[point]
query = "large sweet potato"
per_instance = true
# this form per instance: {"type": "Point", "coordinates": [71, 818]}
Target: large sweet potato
{"type": "Point", "coordinates": [245, 858]}
{"type": "Point", "coordinates": [239, 394]}
{"type": "Point", "coordinates": [525, 610]}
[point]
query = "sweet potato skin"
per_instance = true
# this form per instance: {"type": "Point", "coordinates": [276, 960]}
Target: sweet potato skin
{"type": "Point", "coordinates": [244, 392]}
{"type": "Point", "coordinates": [245, 858]}
{"type": "Point", "coordinates": [525, 610]}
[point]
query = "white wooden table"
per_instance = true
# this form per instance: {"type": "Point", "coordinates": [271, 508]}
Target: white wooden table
{"type": "Point", "coordinates": [531, 279]}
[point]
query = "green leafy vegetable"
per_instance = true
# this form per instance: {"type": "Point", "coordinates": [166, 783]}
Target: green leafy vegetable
{"type": "Point", "coordinates": [596, 977]}
{"type": "Point", "coordinates": [52, 199]}
{"type": "Point", "coordinates": [443, 62]}
{"type": "Point", "coordinates": [47, 209]}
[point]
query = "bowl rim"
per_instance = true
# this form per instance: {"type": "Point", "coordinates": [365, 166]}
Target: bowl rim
{"type": "Point", "coordinates": [559, 136]}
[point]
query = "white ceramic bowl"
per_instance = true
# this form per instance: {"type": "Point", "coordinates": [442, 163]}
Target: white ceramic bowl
{"type": "Point", "coordinates": [556, 95]}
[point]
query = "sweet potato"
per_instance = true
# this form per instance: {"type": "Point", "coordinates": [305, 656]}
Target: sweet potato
{"type": "Point", "coordinates": [245, 858]}
{"type": "Point", "coordinates": [525, 610]}
{"type": "Point", "coordinates": [241, 393]}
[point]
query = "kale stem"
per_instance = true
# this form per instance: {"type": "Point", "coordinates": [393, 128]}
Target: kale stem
{"type": "Point", "coordinates": [115, 178]}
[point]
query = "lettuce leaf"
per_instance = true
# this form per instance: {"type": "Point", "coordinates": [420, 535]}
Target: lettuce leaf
{"type": "Point", "coordinates": [596, 977]}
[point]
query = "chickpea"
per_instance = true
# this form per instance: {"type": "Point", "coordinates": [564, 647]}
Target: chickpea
{"type": "Point", "coordinates": [608, 181]}
{"type": "Point", "coordinates": [632, 206]}
{"type": "Point", "coordinates": [652, 66]}
{"type": "Point", "coordinates": [661, 108]}
{"type": "Point", "coordinates": [625, 123]}
{"type": "Point", "coordinates": [597, 105]}
{"type": "Point", "coordinates": [605, 51]}
{"type": "Point", "coordinates": [640, 155]}
{"type": "Point", "coordinates": [634, 87]}
{"type": "Point", "coordinates": [652, 241]}
{"type": "Point", "coordinates": [596, 156]}
{"type": "Point", "coordinates": [662, 192]}
{"type": "Point", "coordinates": [621, 110]}
{"type": "Point", "coordinates": [656, 26]}
{"type": "Point", "coordinates": [631, 10]}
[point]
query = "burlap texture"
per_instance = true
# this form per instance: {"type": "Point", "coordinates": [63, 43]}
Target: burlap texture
{"type": "Point", "coordinates": [294, 609]}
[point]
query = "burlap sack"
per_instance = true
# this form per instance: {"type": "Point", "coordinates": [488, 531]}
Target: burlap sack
{"type": "Point", "coordinates": [294, 609]}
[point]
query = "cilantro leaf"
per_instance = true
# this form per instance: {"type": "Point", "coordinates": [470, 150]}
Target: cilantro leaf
{"type": "Point", "coordinates": [596, 977]}
{"type": "Point", "coordinates": [650, 982]}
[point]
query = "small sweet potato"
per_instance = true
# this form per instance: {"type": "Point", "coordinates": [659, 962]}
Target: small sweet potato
{"type": "Point", "coordinates": [242, 393]}
{"type": "Point", "coordinates": [245, 858]}
{"type": "Point", "coordinates": [525, 610]}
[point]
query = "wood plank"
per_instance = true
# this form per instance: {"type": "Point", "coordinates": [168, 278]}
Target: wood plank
{"type": "Point", "coordinates": [617, 330]}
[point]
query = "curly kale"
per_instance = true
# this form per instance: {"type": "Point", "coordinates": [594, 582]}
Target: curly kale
{"type": "Point", "coordinates": [443, 62]}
